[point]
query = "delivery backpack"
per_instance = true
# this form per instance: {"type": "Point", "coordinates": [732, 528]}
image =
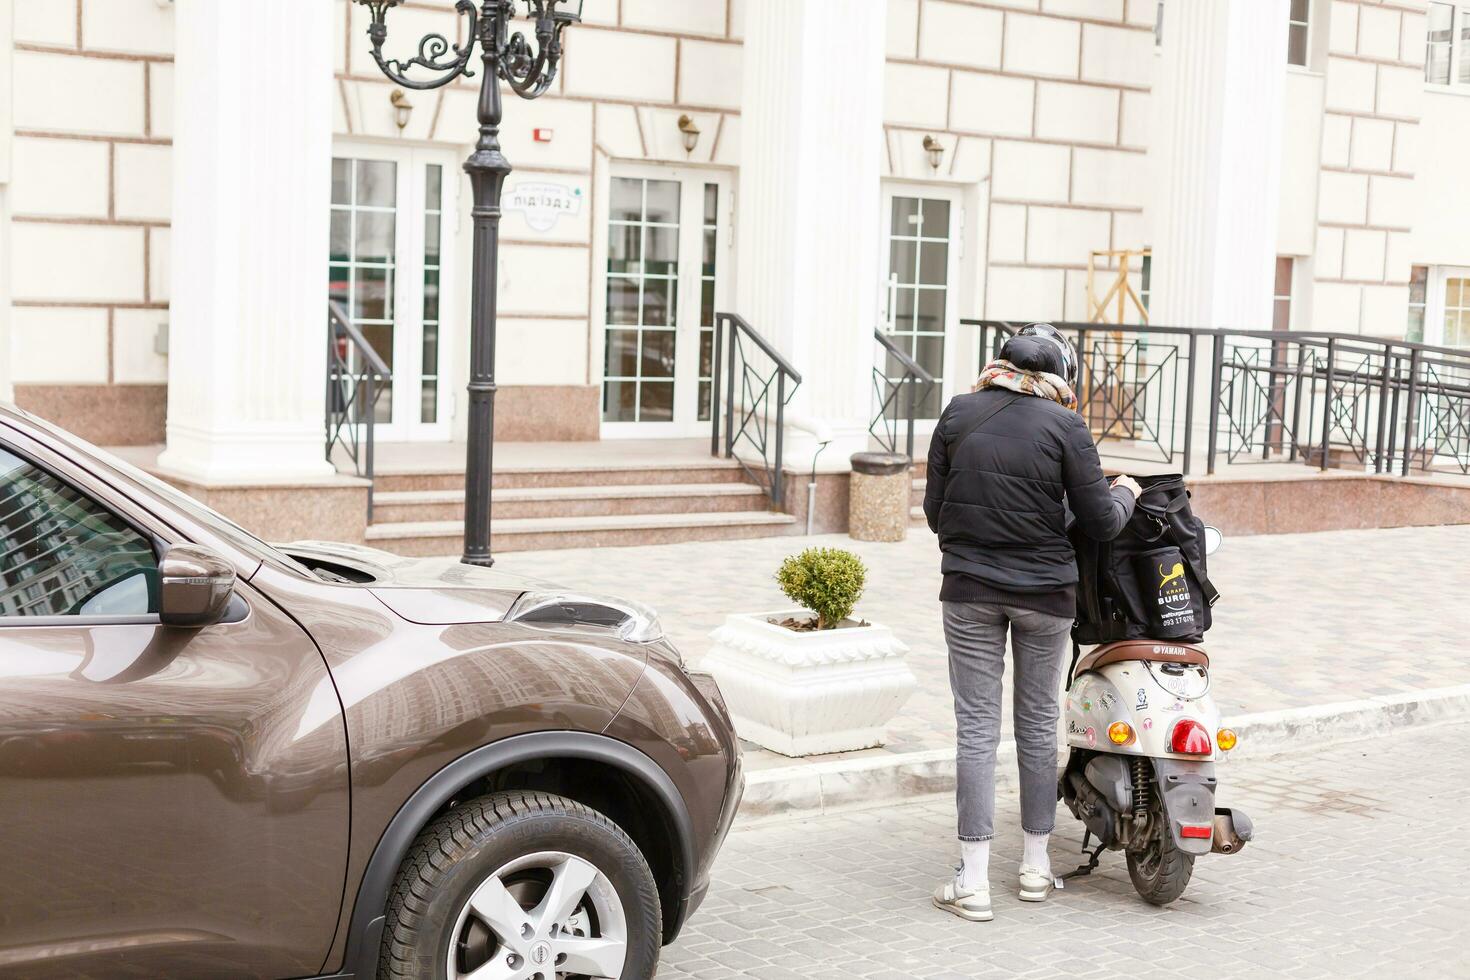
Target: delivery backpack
{"type": "Point", "coordinates": [1150, 581]}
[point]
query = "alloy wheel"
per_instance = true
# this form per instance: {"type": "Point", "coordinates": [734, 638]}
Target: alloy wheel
{"type": "Point", "coordinates": [544, 916]}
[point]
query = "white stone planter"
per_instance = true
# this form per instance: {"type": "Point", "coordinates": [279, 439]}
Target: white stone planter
{"type": "Point", "coordinates": [809, 693]}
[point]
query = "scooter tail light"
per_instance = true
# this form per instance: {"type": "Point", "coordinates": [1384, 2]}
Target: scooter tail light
{"type": "Point", "coordinates": [1188, 737]}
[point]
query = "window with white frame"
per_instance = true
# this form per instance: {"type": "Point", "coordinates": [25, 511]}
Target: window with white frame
{"type": "Point", "coordinates": [1297, 25]}
{"type": "Point", "coordinates": [1418, 297]}
{"type": "Point", "coordinates": [1446, 306]}
{"type": "Point", "coordinates": [1281, 294]}
{"type": "Point", "coordinates": [1447, 52]}
{"type": "Point", "coordinates": [1457, 309]}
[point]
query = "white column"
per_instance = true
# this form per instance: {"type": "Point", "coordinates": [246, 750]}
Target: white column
{"type": "Point", "coordinates": [252, 191]}
{"type": "Point", "coordinates": [1219, 136]}
{"type": "Point", "coordinates": [808, 228]}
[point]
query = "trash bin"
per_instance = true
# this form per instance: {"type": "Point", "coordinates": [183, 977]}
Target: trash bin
{"type": "Point", "coordinates": [878, 502]}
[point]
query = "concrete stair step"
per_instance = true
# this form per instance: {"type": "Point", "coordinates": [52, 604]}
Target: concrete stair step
{"type": "Point", "coordinates": [571, 474]}
{"type": "Point", "coordinates": [405, 506]}
{"type": "Point", "coordinates": [916, 513]}
{"type": "Point", "coordinates": [585, 531]}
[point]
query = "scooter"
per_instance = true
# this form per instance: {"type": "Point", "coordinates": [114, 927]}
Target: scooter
{"type": "Point", "coordinates": [1144, 735]}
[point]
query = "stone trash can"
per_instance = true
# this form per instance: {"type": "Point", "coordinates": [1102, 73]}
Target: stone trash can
{"type": "Point", "coordinates": [878, 502]}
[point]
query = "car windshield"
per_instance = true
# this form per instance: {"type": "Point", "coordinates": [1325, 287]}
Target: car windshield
{"type": "Point", "coordinates": [208, 516]}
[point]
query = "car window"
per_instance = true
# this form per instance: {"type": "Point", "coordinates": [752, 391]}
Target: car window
{"type": "Point", "coordinates": [63, 554]}
{"type": "Point", "coordinates": [194, 509]}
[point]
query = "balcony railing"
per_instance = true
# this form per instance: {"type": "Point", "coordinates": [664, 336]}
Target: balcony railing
{"type": "Point", "coordinates": [896, 392]}
{"type": "Point", "coordinates": [752, 383]}
{"type": "Point", "coordinates": [356, 380]}
{"type": "Point", "coordinates": [1324, 399]}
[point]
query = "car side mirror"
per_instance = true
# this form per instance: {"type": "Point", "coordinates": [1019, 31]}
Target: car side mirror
{"type": "Point", "coordinates": [195, 586]}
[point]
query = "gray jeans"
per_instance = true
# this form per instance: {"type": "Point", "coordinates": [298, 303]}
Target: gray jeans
{"type": "Point", "coordinates": [976, 634]}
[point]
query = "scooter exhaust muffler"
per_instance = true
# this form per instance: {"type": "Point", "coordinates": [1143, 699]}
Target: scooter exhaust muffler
{"type": "Point", "coordinates": [1232, 830]}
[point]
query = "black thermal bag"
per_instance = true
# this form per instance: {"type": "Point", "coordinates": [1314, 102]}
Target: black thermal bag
{"type": "Point", "coordinates": [1150, 582]}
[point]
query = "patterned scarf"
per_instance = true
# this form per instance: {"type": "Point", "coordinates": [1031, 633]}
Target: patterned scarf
{"type": "Point", "coordinates": [1042, 384]}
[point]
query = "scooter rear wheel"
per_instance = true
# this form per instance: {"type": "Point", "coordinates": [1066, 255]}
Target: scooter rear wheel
{"type": "Point", "coordinates": [1160, 871]}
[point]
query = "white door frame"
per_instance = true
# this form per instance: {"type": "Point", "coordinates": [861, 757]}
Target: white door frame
{"type": "Point", "coordinates": [1434, 305]}
{"type": "Point", "coordinates": [955, 195]}
{"type": "Point", "coordinates": [692, 179]}
{"type": "Point", "coordinates": [408, 282]}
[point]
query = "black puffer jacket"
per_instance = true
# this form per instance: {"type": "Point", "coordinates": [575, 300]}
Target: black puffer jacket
{"type": "Point", "coordinates": [995, 496]}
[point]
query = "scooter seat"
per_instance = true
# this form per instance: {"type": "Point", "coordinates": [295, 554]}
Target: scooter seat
{"type": "Point", "coordinates": [1158, 651]}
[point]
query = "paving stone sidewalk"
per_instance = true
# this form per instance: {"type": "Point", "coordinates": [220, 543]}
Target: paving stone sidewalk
{"type": "Point", "coordinates": [1306, 619]}
{"type": "Point", "coordinates": [1357, 870]}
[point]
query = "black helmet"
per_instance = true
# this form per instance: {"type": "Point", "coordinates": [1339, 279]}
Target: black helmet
{"type": "Point", "coordinates": [1056, 349]}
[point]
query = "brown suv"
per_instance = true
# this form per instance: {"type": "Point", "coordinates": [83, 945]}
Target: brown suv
{"type": "Point", "coordinates": [224, 758]}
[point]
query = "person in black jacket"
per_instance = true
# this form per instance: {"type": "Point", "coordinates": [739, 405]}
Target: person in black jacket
{"type": "Point", "coordinates": [1005, 464]}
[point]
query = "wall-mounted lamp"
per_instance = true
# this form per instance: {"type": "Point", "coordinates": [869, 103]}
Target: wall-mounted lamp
{"type": "Point", "coordinates": [690, 133]}
{"type": "Point", "coordinates": [935, 151]}
{"type": "Point", "coordinates": [402, 108]}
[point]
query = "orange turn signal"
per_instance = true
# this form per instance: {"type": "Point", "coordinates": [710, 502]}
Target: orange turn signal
{"type": "Point", "coordinates": [1120, 733]}
{"type": "Point", "coordinates": [1225, 739]}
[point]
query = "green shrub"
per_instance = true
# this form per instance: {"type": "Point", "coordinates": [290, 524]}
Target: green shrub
{"type": "Point", "coordinates": [828, 581]}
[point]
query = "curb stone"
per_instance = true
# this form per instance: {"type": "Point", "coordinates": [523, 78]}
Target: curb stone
{"type": "Point", "coordinates": [814, 788]}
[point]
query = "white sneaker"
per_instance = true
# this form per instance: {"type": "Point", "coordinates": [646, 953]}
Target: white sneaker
{"type": "Point", "coordinates": [971, 905]}
{"type": "Point", "coordinates": [1036, 885]}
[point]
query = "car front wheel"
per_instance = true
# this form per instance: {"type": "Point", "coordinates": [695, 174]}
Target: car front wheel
{"type": "Point", "coordinates": [522, 886]}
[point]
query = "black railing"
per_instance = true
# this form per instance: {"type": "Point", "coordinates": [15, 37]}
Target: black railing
{"type": "Point", "coordinates": [896, 391]}
{"type": "Point", "coordinates": [356, 380]}
{"type": "Point", "coordinates": [1324, 399]}
{"type": "Point", "coordinates": [748, 420]}
{"type": "Point", "coordinates": [1133, 385]}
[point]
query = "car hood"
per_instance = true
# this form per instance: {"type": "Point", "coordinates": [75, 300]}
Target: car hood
{"type": "Point", "coordinates": [431, 591]}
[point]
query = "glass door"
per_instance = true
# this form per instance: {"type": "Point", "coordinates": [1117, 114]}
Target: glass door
{"type": "Point", "coordinates": [387, 266]}
{"type": "Point", "coordinates": [667, 269]}
{"type": "Point", "coordinates": [921, 240]}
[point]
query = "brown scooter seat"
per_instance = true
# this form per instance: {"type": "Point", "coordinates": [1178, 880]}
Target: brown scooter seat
{"type": "Point", "coordinates": [1158, 651]}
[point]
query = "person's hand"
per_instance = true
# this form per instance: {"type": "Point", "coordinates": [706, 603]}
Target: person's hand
{"type": "Point", "coordinates": [1131, 485]}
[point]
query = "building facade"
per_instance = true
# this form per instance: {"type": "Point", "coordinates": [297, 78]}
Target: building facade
{"type": "Point", "coordinates": [183, 185]}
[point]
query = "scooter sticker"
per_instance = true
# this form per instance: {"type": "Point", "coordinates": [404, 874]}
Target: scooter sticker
{"type": "Point", "coordinates": [1148, 724]}
{"type": "Point", "coordinates": [1107, 701]}
{"type": "Point", "coordinates": [1091, 736]}
{"type": "Point", "coordinates": [1142, 704]}
{"type": "Point", "coordinates": [1086, 705]}
{"type": "Point", "coordinates": [1176, 706]}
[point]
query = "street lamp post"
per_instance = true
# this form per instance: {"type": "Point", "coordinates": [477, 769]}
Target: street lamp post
{"type": "Point", "coordinates": [529, 72]}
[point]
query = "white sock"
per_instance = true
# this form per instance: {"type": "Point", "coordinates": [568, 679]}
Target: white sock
{"type": "Point", "coordinates": [1033, 852]}
{"type": "Point", "coordinates": [974, 864]}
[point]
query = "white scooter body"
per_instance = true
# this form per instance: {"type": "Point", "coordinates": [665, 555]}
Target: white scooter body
{"type": "Point", "coordinates": [1130, 788]}
{"type": "Point", "coordinates": [1150, 697]}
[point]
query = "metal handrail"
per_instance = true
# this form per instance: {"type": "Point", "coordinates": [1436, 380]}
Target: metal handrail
{"type": "Point", "coordinates": [1089, 326]}
{"type": "Point", "coordinates": [883, 427]}
{"type": "Point", "coordinates": [759, 412]}
{"type": "Point", "coordinates": [1295, 395]}
{"type": "Point", "coordinates": [353, 393]}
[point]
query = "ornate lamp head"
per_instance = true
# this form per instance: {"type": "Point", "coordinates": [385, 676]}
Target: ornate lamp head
{"type": "Point", "coordinates": [377, 30]}
{"type": "Point", "coordinates": [567, 11]}
{"type": "Point", "coordinates": [528, 69]}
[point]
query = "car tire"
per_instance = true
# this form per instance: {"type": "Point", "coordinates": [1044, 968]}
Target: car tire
{"type": "Point", "coordinates": [526, 845]}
